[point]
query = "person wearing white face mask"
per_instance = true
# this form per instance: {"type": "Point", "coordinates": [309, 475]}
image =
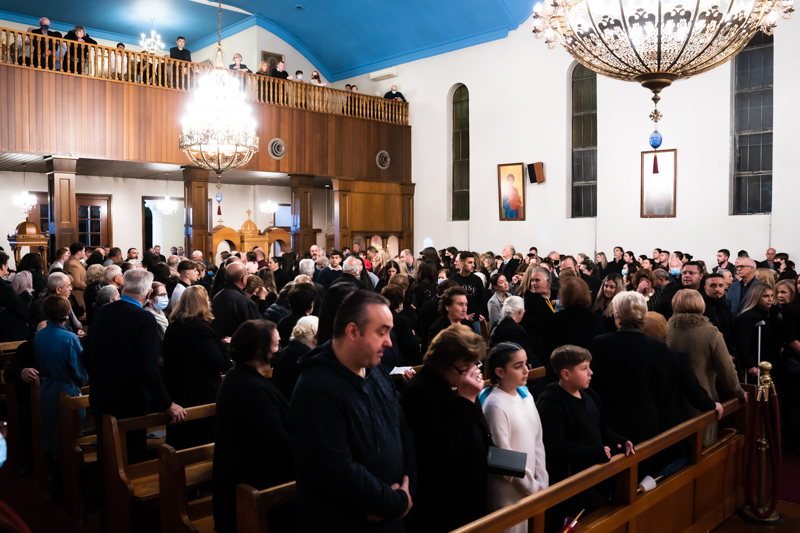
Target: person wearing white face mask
{"type": "Point", "coordinates": [394, 94]}
{"type": "Point", "coordinates": [158, 301]}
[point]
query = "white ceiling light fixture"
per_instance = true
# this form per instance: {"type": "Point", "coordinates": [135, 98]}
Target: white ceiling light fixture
{"type": "Point", "coordinates": [24, 201]}
{"type": "Point", "coordinates": [269, 207]}
{"type": "Point", "coordinates": [166, 206]}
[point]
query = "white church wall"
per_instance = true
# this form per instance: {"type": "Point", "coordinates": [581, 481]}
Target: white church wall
{"type": "Point", "coordinates": [520, 112]}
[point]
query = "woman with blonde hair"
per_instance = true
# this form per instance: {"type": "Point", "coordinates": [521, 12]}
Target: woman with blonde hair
{"type": "Point", "coordinates": [768, 276]}
{"type": "Point", "coordinates": [613, 284]}
{"type": "Point", "coordinates": [263, 70]}
{"type": "Point", "coordinates": [193, 365]}
{"type": "Point", "coordinates": [602, 264]}
{"type": "Point", "coordinates": [688, 331]}
{"type": "Point", "coordinates": [382, 258]}
{"type": "Point", "coordinates": [285, 369]}
{"type": "Point", "coordinates": [759, 318]}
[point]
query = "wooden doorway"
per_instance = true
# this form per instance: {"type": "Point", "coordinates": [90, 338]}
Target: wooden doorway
{"type": "Point", "coordinates": [94, 220]}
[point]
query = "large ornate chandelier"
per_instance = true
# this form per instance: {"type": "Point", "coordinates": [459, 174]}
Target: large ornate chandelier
{"type": "Point", "coordinates": [218, 132]}
{"type": "Point", "coordinates": [151, 44]}
{"type": "Point", "coordinates": [655, 42]}
{"type": "Point", "coordinates": [24, 201]}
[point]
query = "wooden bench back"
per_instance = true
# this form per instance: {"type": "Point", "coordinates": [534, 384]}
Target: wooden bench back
{"type": "Point", "coordinates": [120, 476]}
{"type": "Point", "coordinates": [77, 454]}
{"type": "Point", "coordinates": [40, 473]}
{"type": "Point", "coordinates": [252, 505]}
{"type": "Point", "coordinates": [178, 515]}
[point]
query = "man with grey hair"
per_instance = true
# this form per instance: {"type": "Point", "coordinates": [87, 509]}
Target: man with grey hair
{"type": "Point", "coordinates": [48, 50]}
{"type": "Point", "coordinates": [351, 268]}
{"type": "Point", "coordinates": [231, 306]}
{"type": "Point", "coordinates": [737, 293]}
{"type": "Point", "coordinates": [122, 359]}
{"type": "Point", "coordinates": [510, 263]}
{"type": "Point", "coordinates": [197, 255]}
{"type": "Point", "coordinates": [59, 284]}
{"type": "Point", "coordinates": [113, 276]}
{"type": "Point", "coordinates": [106, 295]}
{"type": "Point", "coordinates": [307, 268]}
{"type": "Point", "coordinates": [538, 307]}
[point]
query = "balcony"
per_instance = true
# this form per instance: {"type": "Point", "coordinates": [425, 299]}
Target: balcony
{"type": "Point", "coordinates": [60, 97]}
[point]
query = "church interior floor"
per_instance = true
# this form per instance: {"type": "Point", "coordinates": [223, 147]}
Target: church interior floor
{"type": "Point", "coordinates": [790, 513]}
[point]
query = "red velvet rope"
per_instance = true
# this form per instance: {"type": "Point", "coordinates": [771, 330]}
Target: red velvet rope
{"type": "Point", "coordinates": [774, 451]}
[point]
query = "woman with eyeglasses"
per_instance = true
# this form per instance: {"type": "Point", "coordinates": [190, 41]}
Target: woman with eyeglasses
{"type": "Point", "coordinates": [515, 425]}
{"type": "Point", "coordinates": [451, 435]}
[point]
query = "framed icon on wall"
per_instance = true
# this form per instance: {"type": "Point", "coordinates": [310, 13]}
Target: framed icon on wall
{"type": "Point", "coordinates": [511, 189]}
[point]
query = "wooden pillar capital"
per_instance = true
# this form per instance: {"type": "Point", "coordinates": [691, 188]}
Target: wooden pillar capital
{"type": "Point", "coordinates": [60, 164]}
{"type": "Point", "coordinates": [195, 174]}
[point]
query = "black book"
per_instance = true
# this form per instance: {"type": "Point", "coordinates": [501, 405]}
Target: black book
{"type": "Point", "coordinates": [506, 462]}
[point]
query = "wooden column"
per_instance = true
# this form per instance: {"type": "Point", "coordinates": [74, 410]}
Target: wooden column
{"type": "Point", "coordinates": [341, 213]}
{"type": "Point", "coordinates": [195, 202]}
{"type": "Point", "coordinates": [302, 212]}
{"type": "Point", "coordinates": [61, 199]}
{"type": "Point", "coordinates": [408, 217]}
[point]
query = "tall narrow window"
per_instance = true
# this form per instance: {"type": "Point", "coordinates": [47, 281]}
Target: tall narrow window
{"type": "Point", "coordinates": [584, 142]}
{"type": "Point", "coordinates": [461, 153]}
{"type": "Point", "coordinates": [752, 127]}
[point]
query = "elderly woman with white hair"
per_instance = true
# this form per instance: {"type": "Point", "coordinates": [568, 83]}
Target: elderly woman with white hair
{"type": "Point", "coordinates": [508, 328]}
{"type": "Point", "coordinates": [628, 367]}
{"type": "Point", "coordinates": [285, 370]}
{"type": "Point", "coordinates": [23, 286]}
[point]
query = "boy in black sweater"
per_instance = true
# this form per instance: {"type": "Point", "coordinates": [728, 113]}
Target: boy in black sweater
{"type": "Point", "coordinates": [574, 428]}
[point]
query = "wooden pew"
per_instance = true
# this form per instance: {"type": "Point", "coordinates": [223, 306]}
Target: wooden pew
{"type": "Point", "coordinates": [78, 455]}
{"type": "Point", "coordinates": [7, 351]}
{"type": "Point", "coordinates": [253, 505]}
{"type": "Point", "coordinates": [41, 474]}
{"type": "Point", "coordinates": [128, 484]}
{"type": "Point", "coordinates": [178, 515]}
{"type": "Point", "coordinates": [12, 417]}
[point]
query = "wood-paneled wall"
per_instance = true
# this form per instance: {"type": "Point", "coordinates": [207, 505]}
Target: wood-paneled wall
{"type": "Point", "coordinates": [52, 113]}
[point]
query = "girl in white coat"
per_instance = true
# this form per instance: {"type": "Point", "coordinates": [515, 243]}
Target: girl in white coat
{"type": "Point", "coordinates": [515, 425]}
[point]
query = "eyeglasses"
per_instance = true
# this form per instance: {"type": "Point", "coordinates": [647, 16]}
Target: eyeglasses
{"type": "Point", "coordinates": [742, 266]}
{"type": "Point", "coordinates": [463, 372]}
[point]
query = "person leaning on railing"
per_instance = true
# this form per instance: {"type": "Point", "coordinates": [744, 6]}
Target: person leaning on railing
{"type": "Point", "coordinates": [43, 46]}
{"type": "Point", "coordinates": [78, 53]}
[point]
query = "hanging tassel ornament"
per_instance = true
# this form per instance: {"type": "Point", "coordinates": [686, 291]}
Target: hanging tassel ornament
{"type": "Point", "coordinates": [218, 198]}
{"type": "Point", "coordinates": [655, 138]}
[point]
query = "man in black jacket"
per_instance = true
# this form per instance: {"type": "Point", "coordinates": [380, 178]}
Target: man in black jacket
{"type": "Point", "coordinates": [691, 278]}
{"type": "Point", "coordinates": [231, 306]}
{"type": "Point", "coordinates": [44, 46]}
{"type": "Point", "coordinates": [510, 263]}
{"type": "Point", "coordinates": [476, 297]}
{"type": "Point", "coordinates": [122, 358]}
{"type": "Point", "coordinates": [717, 309]}
{"type": "Point", "coordinates": [15, 314]}
{"type": "Point", "coordinates": [353, 452]}
{"type": "Point", "coordinates": [179, 52]}
{"type": "Point", "coordinates": [351, 268]}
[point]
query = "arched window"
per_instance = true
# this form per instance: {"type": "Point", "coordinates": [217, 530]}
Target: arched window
{"type": "Point", "coordinates": [584, 142]}
{"type": "Point", "coordinates": [752, 127]}
{"type": "Point", "coordinates": [461, 153]}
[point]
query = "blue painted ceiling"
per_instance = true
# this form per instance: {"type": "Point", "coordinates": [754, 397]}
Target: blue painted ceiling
{"type": "Point", "coordinates": [343, 38]}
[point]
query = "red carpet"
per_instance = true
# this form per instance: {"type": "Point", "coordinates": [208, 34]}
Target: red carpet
{"type": "Point", "coordinates": [35, 509]}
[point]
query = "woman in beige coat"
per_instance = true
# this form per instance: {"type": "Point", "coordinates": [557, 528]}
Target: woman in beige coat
{"type": "Point", "coordinates": [690, 332]}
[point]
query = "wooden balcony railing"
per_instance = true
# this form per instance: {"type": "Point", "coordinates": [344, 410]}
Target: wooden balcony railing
{"type": "Point", "coordinates": [34, 51]}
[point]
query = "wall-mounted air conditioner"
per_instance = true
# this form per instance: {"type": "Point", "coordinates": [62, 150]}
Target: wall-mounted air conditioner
{"type": "Point", "coordinates": [384, 74]}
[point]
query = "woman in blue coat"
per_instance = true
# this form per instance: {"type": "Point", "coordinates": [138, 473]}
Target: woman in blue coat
{"type": "Point", "coordinates": [57, 354]}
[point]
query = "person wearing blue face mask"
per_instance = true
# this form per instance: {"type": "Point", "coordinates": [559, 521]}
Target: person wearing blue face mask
{"type": "Point", "coordinates": [47, 48]}
{"type": "Point", "coordinates": [158, 301]}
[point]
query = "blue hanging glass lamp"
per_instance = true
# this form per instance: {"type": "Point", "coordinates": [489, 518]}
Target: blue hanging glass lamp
{"type": "Point", "coordinates": [655, 138]}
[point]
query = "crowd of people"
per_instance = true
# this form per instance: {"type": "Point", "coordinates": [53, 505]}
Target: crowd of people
{"type": "Point", "coordinates": [307, 344]}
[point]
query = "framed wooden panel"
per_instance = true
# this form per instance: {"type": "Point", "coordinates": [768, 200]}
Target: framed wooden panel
{"type": "Point", "coordinates": [511, 190]}
{"type": "Point", "coordinates": [659, 184]}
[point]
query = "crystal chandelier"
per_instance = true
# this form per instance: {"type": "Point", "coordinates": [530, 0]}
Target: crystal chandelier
{"type": "Point", "coordinates": [219, 132]}
{"type": "Point", "coordinates": [151, 44]}
{"type": "Point", "coordinates": [167, 206]}
{"type": "Point", "coordinates": [655, 42]}
{"type": "Point", "coordinates": [24, 201]}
